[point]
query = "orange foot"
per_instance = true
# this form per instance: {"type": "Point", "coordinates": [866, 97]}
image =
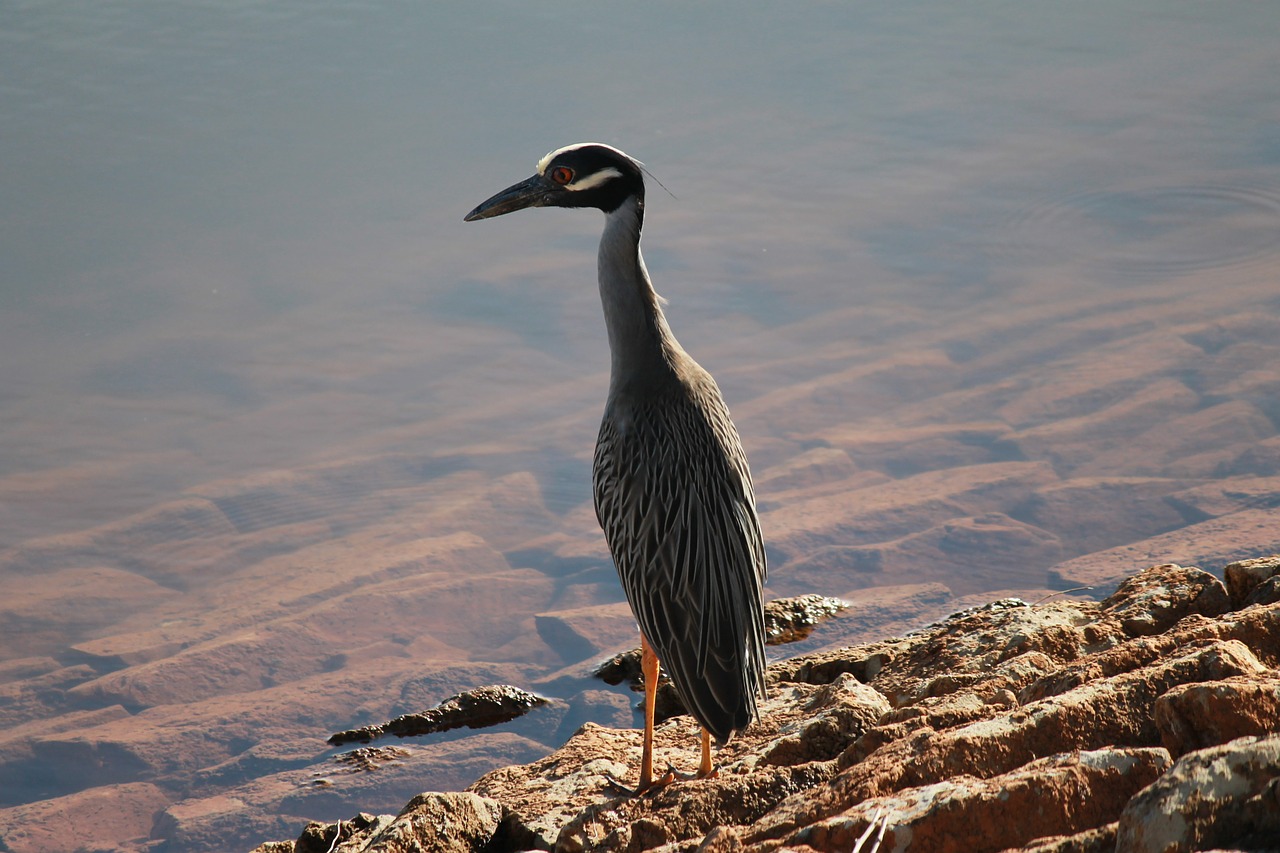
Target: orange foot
{"type": "Point", "coordinates": [644, 788]}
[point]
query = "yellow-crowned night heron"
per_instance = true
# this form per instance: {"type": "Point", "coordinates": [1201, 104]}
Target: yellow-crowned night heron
{"type": "Point", "coordinates": [672, 488]}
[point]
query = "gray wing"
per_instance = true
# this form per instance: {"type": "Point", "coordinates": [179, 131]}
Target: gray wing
{"type": "Point", "coordinates": [673, 494]}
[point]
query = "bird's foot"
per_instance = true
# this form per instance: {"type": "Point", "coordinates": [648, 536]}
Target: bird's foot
{"type": "Point", "coordinates": [700, 773]}
{"type": "Point", "coordinates": [645, 788]}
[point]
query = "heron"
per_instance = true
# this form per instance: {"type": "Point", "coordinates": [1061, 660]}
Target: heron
{"type": "Point", "coordinates": [671, 484]}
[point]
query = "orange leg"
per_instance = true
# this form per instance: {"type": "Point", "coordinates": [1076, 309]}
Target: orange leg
{"type": "Point", "coordinates": [706, 770]}
{"type": "Point", "coordinates": [649, 666]}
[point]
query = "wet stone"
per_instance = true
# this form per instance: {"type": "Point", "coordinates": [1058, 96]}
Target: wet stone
{"type": "Point", "coordinates": [475, 709]}
{"type": "Point", "coordinates": [787, 620]}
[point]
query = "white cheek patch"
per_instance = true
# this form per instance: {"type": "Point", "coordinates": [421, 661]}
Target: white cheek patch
{"type": "Point", "coordinates": [593, 180]}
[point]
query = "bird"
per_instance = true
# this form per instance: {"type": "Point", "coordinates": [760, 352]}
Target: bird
{"type": "Point", "coordinates": [671, 484]}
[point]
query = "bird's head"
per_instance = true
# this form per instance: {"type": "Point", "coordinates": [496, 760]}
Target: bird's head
{"type": "Point", "coordinates": [584, 175]}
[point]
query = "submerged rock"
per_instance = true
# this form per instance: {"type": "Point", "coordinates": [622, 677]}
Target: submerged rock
{"type": "Point", "coordinates": [475, 709]}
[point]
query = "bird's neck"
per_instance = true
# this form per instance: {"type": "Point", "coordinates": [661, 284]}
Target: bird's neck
{"type": "Point", "coordinates": [640, 341]}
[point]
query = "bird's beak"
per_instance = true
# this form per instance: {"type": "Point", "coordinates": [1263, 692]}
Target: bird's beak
{"type": "Point", "coordinates": [534, 192]}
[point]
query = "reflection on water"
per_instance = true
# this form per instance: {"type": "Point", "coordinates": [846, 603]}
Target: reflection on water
{"type": "Point", "coordinates": [255, 365]}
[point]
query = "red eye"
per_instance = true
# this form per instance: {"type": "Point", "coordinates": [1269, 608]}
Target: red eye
{"type": "Point", "coordinates": [562, 175]}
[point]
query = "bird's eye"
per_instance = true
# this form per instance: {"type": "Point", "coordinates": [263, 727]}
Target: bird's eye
{"type": "Point", "coordinates": [562, 175]}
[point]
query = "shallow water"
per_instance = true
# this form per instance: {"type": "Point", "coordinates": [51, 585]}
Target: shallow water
{"type": "Point", "coordinates": [231, 236]}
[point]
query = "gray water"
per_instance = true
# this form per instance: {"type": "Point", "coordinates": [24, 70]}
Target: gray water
{"type": "Point", "coordinates": [231, 233]}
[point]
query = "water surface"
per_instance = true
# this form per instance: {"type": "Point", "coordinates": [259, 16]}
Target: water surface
{"type": "Point", "coordinates": [231, 244]}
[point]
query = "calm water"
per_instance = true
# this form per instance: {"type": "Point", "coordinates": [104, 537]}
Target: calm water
{"type": "Point", "coordinates": [231, 233]}
{"type": "Point", "coordinates": [212, 211]}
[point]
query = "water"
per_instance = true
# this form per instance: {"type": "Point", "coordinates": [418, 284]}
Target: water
{"type": "Point", "coordinates": [231, 244]}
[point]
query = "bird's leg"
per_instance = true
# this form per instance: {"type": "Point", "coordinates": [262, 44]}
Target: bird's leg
{"type": "Point", "coordinates": [650, 667]}
{"type": "Point", "coordinates": [706, 770]}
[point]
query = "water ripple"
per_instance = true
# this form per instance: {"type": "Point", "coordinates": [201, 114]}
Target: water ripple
{"type": "Point", "coordinates": [1150, 232]}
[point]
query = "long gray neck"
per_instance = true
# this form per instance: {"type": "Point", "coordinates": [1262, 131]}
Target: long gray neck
{"type": "Point", "coordinates": [640, 340]}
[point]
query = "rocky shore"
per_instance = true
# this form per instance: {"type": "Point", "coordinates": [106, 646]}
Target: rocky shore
{"type": "Point", "coordinates": [1149, 721]}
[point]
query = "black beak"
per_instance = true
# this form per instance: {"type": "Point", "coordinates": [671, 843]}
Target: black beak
{"type": "Point", "coordinates": [534, 192]}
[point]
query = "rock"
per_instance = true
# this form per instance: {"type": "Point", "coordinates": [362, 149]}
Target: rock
{"type": "Point", "coordinates": [1245, 576]}
{"type": "Point", "coordinates": [1206, 714]}
{"type": "Point", "coordinates": [1100, 839]}
{"type": "Point", "coordinates": [1226, 796]}
{"type": "Point", "coordinates": [567, 798]}
{"type": "Point", "coordinates": [1152, 601]}
{"type": "Point", "coordinates": [475, 709]}
{"type": "Point", "coordinates": [1267, 592]}
{"type": "Point", "coordinates": [883, 611]}
{"type": "Point", "coordinates": [1093, 716]}
{"type": "Point", "coordinates": [787, 620]}
{"type": "Point", "coordinates": [345, 836]}
{"type": "Point", "coordinates": [1054, 795]}
{"type": "Point", "coordinates": [837, 714]}
{"type": "Point", "coordinates": [429, 823]}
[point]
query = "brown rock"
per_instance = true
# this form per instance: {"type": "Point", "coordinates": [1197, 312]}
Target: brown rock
{"type": "Point", "coordinates": [1054, 795]}
{"type": "Point", "coordinates": [1113, 712]}
{"type": "Point", "coordinates": [1245, 576]}
{"type": "Point", "coordinates": [345, 836]}
{"type": "Point", "coordinates": [430, 822]}
{"type": "Point", "coordinates": [439, 823]}
{"type": "Point", "coordinates": [567, 799]}
{"type": "Point", "coordinates": [1196, 716]}
{"type": "Point", "coordinates": [1156, 598]}
{"type": "Point", "coordinates": [1101, 839]}
{"type": "Point", "coordinates": [1223, 797]}
{"type": "Point", "coordinates": [836, 715]}
{"type": "Point", "coordinates": [1050, 707]}
{"type": "Point", "coordinates": [788, 620]}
